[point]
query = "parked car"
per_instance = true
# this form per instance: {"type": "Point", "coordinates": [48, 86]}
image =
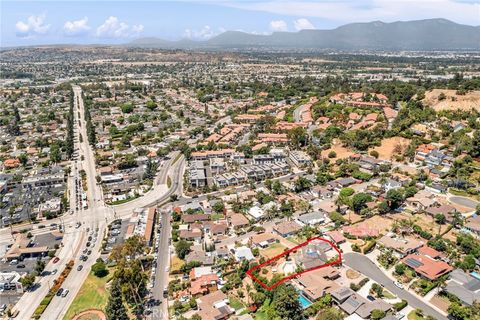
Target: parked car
{"type": "Point", "coordinates": [59, 292]}
{"type": "Point", "coordinates": [398, 284]}
{"type": "Point", "coordinates": [20, 266]}
{"type": "Point", "coordinates": [56, 259]}
{"type": "Point", "coordinates": [64, 293]}
{"type": "Point", "coordinates": [79, 268]}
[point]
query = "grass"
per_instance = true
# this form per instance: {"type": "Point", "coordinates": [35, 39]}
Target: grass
{"type": "Point", "coordinates": [216, 216]}
{"type": "Point", "coordinates": [272, 251]}
{"type": "Point", "coordinates": [92, 295]}
{"type": "Point", "coordinates": [387, 294]}
{"type": "Point", "coordinates": [236, 304]}
{"type": "Point", "coordinates": [176, 264]}
{"type": "Point", "coordinates": [414, 316]}
{"type": "Point", "coordinates": [169, 182]}
{"type": "Point", "coordinates": [115, 203]}
{"type": "Point", "coordinates": [176, 158]}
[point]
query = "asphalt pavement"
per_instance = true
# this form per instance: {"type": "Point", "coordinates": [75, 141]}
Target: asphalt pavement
{"type": "Point", "coordinates": [364, 265]}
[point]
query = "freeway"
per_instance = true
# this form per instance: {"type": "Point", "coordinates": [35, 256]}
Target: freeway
{"type": "Point", "coordinates": [364, 265]}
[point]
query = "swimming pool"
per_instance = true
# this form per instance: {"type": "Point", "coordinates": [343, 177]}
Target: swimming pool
{"type": "Point", "coordinates": [304, 302]}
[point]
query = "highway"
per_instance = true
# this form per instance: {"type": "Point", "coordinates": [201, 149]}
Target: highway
{"type": "Point", "coordinates": [364, 265]}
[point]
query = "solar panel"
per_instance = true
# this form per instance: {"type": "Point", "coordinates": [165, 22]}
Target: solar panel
{"type": "Point", "coordinates": [413, 263]}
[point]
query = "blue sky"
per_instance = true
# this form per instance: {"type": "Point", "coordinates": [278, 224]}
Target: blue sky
{"type": "Point", "coordinates": [85, 22]}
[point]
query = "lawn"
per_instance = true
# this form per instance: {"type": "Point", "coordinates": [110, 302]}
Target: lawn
{"type": "Point", "coordinates": [176, 264]}
{"type": "Point", "coordinates": [272, 251]}
{"type": "Point", "coordinates": [236, 304]}
{"type": "Point", "coordinates": [92, 295]}
{"type": "Point", "coordinates": [217, 216]}
{"type": "Point", "coordinates": [414, 316]}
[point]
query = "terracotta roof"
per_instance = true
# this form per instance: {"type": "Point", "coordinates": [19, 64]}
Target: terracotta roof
{"type": "Point", "coordinates": [426, 266]}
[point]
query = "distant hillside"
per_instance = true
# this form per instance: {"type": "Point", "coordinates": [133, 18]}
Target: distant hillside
{"type": "Point", "coordinates": [431, 34]}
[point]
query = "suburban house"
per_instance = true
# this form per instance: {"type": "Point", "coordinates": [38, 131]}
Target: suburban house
{"type": "Point", "coordinates": [426, 266]}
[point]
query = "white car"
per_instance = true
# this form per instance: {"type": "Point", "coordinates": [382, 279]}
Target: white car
{"type": "Point", "coordinates": [398, 284]}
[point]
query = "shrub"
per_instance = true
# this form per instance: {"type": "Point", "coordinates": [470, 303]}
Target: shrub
{"type": "Point", "coordinates": [369, 247]}
{"type": "Point", "coordinates": [400, 305]}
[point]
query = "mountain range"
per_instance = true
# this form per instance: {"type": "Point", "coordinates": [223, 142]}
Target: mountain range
{"type": "Point", "coordinates": [430, 34]}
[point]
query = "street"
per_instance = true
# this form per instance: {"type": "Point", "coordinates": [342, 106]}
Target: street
{"type": "Point", "coordinates": [362, 264]}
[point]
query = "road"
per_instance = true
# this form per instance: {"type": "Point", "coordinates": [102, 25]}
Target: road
{"type": "Point", "coordinates": [364, 265]}
{"type": "Point", "coordinates": [95, 217]}
{"type": "Point", "coordinates": [464, 202]}
{"type": "Point", "coordinates": [161, 277]}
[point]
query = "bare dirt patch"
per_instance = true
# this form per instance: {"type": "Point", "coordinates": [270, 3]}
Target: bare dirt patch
{"type": "Point", "coordinates": [440, 302]}
{"type": "Point", "coordinates": [391, 147]}
{"type": "Point", "coordinates": [383, 224]}
{"type": "Point", "coordinates": [341, 151]}
{"type": "Point", "coordinates": [352, 274]}
{"type": "Point", "coordinates": [471, 100]}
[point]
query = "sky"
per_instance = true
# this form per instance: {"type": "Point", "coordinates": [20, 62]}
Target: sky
{"type": "Point", "coordinates": [37, 22]}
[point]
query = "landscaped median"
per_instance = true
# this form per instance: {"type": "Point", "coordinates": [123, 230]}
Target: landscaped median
{"type": "Point", "coordinates": [57, 284]}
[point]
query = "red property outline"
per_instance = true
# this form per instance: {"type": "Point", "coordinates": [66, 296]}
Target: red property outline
{"type": "Point", "coordinates": [337, 261]}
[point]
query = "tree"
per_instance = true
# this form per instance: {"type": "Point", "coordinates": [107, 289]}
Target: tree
{"type": "Point", "coordinates": [302, 184]}
{"type": "Point", "coordinates": [377, 314]}
{"type": "Point", "coordinates": [99, 269]}
{"type": "Point", "coordinates": [151, 105]}
{"type": "Point", "coordinates": [400, 269]}
{"type": "Point", "coordinates": [374, 153]}
{"type": "Point", "coordinates": [331, 313]}
{"type": "Point", "coordinates": [182, 248]}
{"type": "Point", "coordinates": [218, 207]}
{"type": "Point", "coordinates": [458, 312]}
{"type": "Point", "coordinates": [115, 309]}
{"type": "Point", "coordinates": [383, 207]}
{"type": "Point", "coordinates": [468, 263]}
{"type": "Point", "coordinates": [39, 266]}
{"type": "Point", "coordinates": [28, 280]}
{"type": "Point", "coordinates": [440, 218]}
{"type": "Point", "coordinates": [359, 200]}
{"type": "Point", "coordinates": [286, 304]}
{"type": "Point", "coordinates": [394, 198]}
{"type": "Point", "coordinates": [127, 108]}
{"type": "Point", "coordinates": [298, 137]}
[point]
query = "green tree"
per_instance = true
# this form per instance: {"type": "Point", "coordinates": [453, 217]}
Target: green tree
{"type": "Point", "coordinates": [440, 218]}
{"type": "Point", "coordinates": [218, 207]}
{"type": "Point", "coordinates": [331, 313]}
{"type": "Point", "coordinates": [286, 304]}
{"type": "Point", "coordinates": [115, 309]}
{"type": "Point", "coordinates": [458, 312]}
{"type": "Point", "coordinates": [99, 269]}
{"type": "Point", "coordinates": [400, 269]}
{"type": "Point", "coordinates": [359, 200]}
{"type": "Point", "coordinates": [182, 248]}
{"type": "Point", "coordinates": [28, 280]}
{"type": "Point", "coordinates": [127, 108]}
{"type": "Point", "coordinates": [394, 198]}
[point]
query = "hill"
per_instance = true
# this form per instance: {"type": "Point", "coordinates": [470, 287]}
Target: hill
{"type": "Point", "coordinates": [431, 34]}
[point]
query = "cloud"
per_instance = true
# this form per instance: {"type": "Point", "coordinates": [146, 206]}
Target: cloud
{"type": "Point", "coordinates": [113, 28]}
{"type": "Point", "coordinates": [204, 33]}
{"type": "Point", "coordinates": [76, 27]}
{"type": "Point", "coordinates": [34, 25]}
{"type": "Point", "coordinates": [303, 24]}
{"type": "Point", "coordinates": [278, 25]}
{"type": "Point", "coordinates": [347, 11]}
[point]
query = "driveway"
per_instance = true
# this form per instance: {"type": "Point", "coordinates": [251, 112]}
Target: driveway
{"type": "Point", "coordinates": [364, 265]}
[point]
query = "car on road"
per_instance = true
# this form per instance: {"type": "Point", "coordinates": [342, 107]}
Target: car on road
{"type": "Point", "coordinates": [88, 244]}
{"type": "Point", "coordinates": [20, 266]}
{"type": "Point", "coordinates": [79, 268]}
{"type": "Point", "coordinates": [56, 259]}
{"type": "Point", "coordinates": [54, 271]}
{"type": "Point", "coordinates": [59, 292]}
{"type": "Point", "coordinates": [64, 293]}
{"type": "Point", "coordinates": [398, 284]}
